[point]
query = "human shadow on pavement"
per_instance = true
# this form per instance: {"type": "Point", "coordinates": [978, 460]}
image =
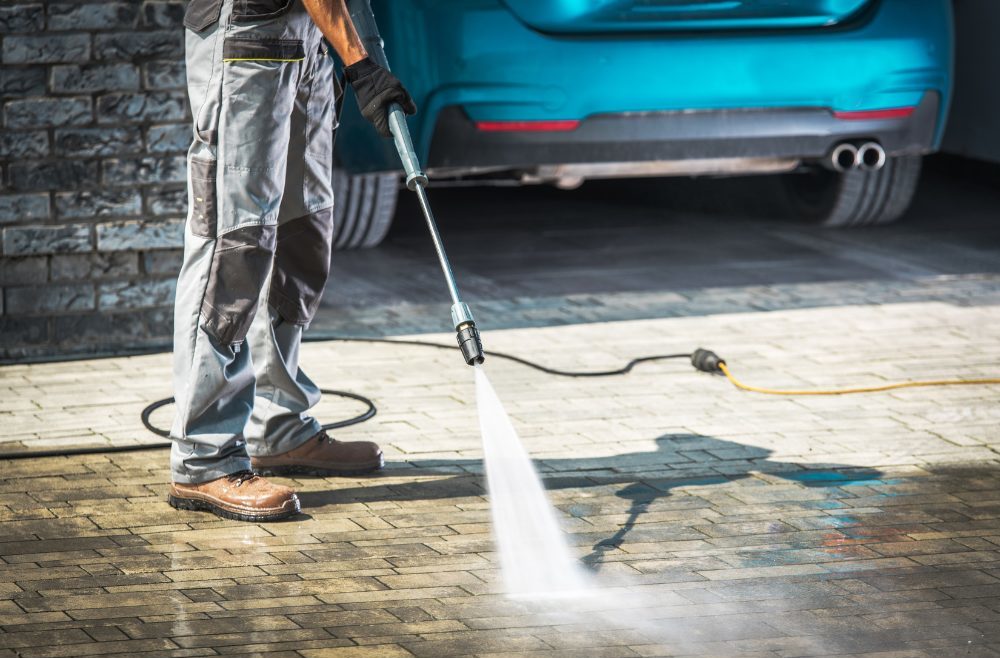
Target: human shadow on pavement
{"type": "Point", "coordinates": [680, 460]}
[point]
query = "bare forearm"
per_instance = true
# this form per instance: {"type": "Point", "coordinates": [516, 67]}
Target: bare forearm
{"type": "Point", "coordinates": [334, 22]}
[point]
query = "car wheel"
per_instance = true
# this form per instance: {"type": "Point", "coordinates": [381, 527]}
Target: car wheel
{"type": "Point", "coordinates": [363, 208]}
{"type": "Point", "coordinates": [855, 197]}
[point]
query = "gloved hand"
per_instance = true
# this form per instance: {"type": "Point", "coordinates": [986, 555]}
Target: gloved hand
{"type": "Point", "coordinates": [375, 88]}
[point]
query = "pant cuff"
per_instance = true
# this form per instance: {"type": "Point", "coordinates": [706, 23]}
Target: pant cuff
{"type": "Point", "coordinates": [266, 448]}
{"type": "Point", "coordinates": [222, 468]}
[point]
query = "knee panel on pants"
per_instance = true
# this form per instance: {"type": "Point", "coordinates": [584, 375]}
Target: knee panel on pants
{"type": "Point", "coordinates": [240, 266]}
{"type": "Point", "coordinates": [302, 265]}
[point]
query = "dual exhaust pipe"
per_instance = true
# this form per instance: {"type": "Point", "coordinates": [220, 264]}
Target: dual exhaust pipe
{"type": "Point", "coordinates": [867, 156]}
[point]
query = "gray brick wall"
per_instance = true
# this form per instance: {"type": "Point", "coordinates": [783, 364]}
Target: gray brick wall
{"type": "Point", "coordinates": [92, 200]}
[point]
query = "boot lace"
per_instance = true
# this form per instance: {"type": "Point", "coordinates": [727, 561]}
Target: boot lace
{"type": "Point", "coordinates": [324, 437]}
{"type": "Point", "coordinates": [240, 477]}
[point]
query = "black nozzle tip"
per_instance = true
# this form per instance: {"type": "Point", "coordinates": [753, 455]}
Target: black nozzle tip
{"type": "Point", "coordinates": [470, 343]}
{"type": "Point", "coordinates": [706, 360]}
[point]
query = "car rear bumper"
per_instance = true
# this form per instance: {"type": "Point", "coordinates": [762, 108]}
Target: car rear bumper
{"type": "Point", "coordinates": [474, 62]}
{"type": "Point", "coordinates": [459, 145]}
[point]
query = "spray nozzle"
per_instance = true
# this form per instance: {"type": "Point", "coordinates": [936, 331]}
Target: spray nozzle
{"type": "Point", "coordinates": [468, 336]}
{"type": "Point", "coordinates": [470, 343]}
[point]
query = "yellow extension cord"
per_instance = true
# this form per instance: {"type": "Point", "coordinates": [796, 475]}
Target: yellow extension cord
{"type": "Point", "coordinates": [863, 389]}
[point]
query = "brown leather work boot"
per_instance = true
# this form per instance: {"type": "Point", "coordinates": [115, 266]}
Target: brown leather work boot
{"type": "Point", "coordinates": [242, 496]}
{"type": "Point", "coordinates": [323, 455]}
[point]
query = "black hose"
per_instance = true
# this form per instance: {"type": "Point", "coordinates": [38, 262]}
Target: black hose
{"type": "Point", "coordinates": [627, 368]}
{"type": "Point", "coordinates": [360, 418]}
{"type": "Point", "coordinates": [159, 445]}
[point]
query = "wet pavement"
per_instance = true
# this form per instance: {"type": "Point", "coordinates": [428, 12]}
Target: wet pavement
{"type": "Point", "coordinates": [721, 522]}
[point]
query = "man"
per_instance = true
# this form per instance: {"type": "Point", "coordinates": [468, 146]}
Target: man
{"type": "Point", "coordinates": [257, 248]}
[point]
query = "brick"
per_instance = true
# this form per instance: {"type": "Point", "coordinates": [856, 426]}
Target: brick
{"type": "Point", "coordinates": [32, 112]}
{"type": "Point", "coordinates": [168, 15]}
{"type": "Point", "coordinates": [89, 142]}
{"type": "Point", "coordinates": [159, 324]}
{"type": "Point", "coordinates": [92, 16]}
{"type": "Point", "coordinates": [21, 271]}
{"type": "Point", "coordinates": [168, 74]}
{"type": "Point", "coordinates": [18, 331]}
{"type": "Point", "coordinates": [135, 295]}
{"type": "Point", "coordinates": [46, 49]}
{"type": "Point", "coordinates": [22, 81]}
{"type": "Point", "coordinates": [110, 328]}
{"type": "Point", "coordinates": [162, 44]}
{"type": "Point", "coordinates": [87, 267]}
{"type": "Point", "coordinates": [167, 201]}
{"type": "Point", "coordinates": [23, 207]}
{"type": "Point", "coordinates": [33, 240]}
{"type": "Point", "coordinates": [32, 144]}
{"type": "Point", "coordinates": [36, 300]}
{"type": "Point", "coordinates": [175, 137]}
{"type": "Point", "coordinates": [130, 171]}
{"type": "Point", "coordinates": [370, 651]}
{"type": "Point", "coordinates": [59, 175]}
{"type": "Point", "coordinates": [119, 236]}
{"type": "Point", "coordinates": [94, 77]}
{"type": "Point", "coordinates": [141, 107]}
{"type": "Point", "coordinates": [101, 203]}
{"type": "Point", "coordinates": [25, 17]}
{"type": "Point", "coordinates": [167, 261]}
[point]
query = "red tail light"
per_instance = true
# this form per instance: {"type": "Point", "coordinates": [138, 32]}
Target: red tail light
{"type": "Point", "coordinates": [527, 126]}
{"type": "Point", "coordinates": [865, 115]}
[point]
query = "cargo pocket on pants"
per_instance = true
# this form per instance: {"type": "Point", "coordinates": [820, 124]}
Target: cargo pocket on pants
{"type": "Point", "coordinates": [204, 200]}
{"type": "Point", "coordinates": [248, 49]}
{"type": "Point", "coordinates": [240, 266]}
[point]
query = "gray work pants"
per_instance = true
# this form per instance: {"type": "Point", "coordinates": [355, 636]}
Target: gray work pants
{"type": "Point", "coordinates": [257, 237]}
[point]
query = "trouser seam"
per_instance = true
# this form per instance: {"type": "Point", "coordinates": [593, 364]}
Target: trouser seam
{"type": "Point", "coordinates": [217, 67]}
{"type": "Point", "coordinates": [272, 341]}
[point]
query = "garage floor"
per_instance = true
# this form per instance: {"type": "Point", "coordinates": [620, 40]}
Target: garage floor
{"type": "Point", "coordinates": [538, 256]}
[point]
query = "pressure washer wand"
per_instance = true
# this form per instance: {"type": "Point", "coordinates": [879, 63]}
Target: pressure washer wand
{"type": "Point", "coordinates": [469, 340]}
{"type": "Point", "coordinates": [465, 326]}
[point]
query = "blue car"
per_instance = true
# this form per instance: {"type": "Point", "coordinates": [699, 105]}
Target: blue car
{"type": "Point", "coordinates": [845, 96]}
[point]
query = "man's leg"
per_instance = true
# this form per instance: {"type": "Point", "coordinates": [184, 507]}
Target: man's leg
{"type": "Point", "coordinates": [242, 94]}
{"type": "Point", "coordinates": [282, 436]}
{"type": "Point", "coordinates": [280, 420]}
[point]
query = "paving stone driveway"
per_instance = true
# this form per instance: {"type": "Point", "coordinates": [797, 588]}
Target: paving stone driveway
{"type": "Point", "coordinates": [723, 523]}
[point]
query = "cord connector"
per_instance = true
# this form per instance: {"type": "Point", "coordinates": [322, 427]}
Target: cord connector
{"type": "Point", "coordinates": [706, 360]}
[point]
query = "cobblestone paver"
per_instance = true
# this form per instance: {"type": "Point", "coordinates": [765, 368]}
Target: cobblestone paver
{"type": "Point", "coordinates": [722, 523]}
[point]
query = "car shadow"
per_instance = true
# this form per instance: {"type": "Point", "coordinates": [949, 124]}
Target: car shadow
{"type": "Point", "coordinates": [679, 460]}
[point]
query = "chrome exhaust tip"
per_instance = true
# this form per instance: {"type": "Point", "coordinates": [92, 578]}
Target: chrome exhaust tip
{"type": "Point", "coordinates": [871, 156]}
{"type": "Point", "coordinates": [844, 156]}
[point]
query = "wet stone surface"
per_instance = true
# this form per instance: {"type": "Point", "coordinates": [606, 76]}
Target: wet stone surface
{"type": "Point", "coordinates": [726, 524]}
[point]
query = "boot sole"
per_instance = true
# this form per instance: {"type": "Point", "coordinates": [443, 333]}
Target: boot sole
{"type": "Point", "coordinates": [295, 469]}
{"type": "Point", "coordinates": [198, 505]}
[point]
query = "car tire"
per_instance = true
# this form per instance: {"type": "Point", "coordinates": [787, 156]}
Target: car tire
{"type": "Point", "coordinates": [855, 197]}
{"type": "Point", "coordinates": [363, 208]}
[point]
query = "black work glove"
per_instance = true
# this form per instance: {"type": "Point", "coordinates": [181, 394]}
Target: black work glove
{"type": "Point", "coordinates": [375, 88]}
